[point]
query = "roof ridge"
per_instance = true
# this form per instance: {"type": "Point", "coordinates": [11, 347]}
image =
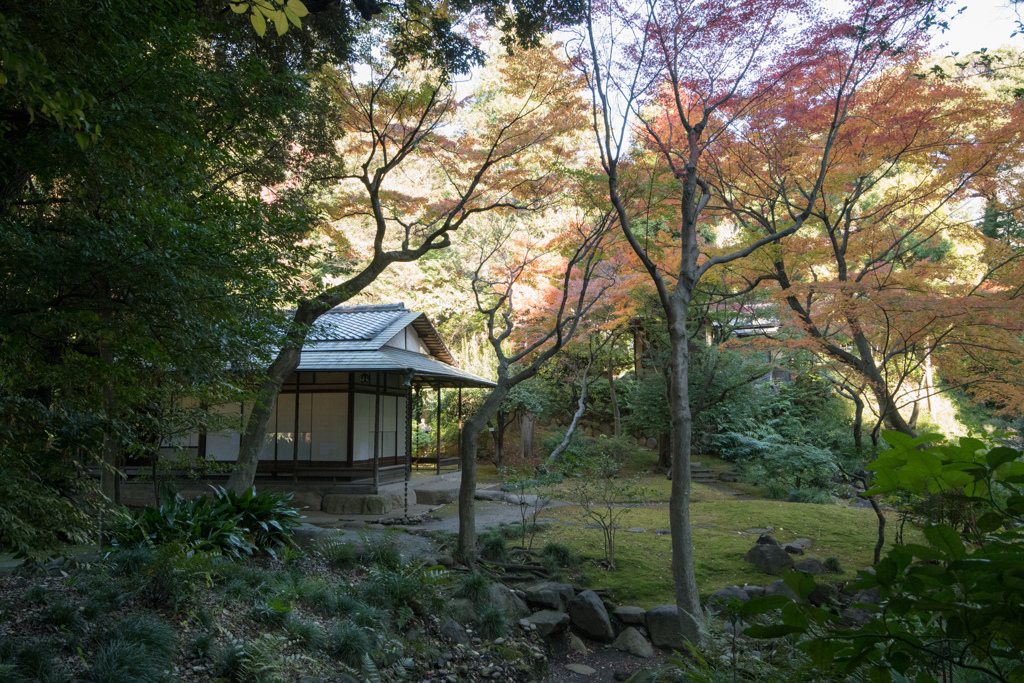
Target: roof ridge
{"type": "Point", "coordinates": [400, 306]}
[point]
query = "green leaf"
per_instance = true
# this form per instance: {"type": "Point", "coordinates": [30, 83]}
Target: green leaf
{"type": "Point", "coordinates": [239, 7]}
{"type": "Point", "coordinates": [765, 604]}
{"type": "Point", "coordinates": [802, 584]}
{"type": "Point", "coordinates": [990, 521]}
{"type": "Point", "coordinates": [83, 139]}
{"type": "Point", "coordinates": [1001, 455]}
{"type": "Point", "coordinates": [258, 22]}
{"type": "Point", "coordinates": [298, 7]}
{"type": "Point", "coordinates": [821, 652]}
{"type": "Point", "coordinates": [946, 539]}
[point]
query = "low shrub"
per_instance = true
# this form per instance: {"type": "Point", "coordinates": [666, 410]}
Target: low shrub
{"type": "Point", "coordinates": [381, 549]}
{"type": "Point", "coordinates": [337, 552]}
{"type": "Point", "coordinates": [474, 587]}
{"type": "Point", "coordinates": [273, 612]}
{"type": "Point", "coordinates": [306, 632]}
{"type": "Point", "coordinates": [119, 661]}
{"type": "Point", "coordinates": [261, 660]}
{"type": "Point", "coordinates": [560, 554]}
{"type": "Point", "coordinates": [493, 547]}
{"type": "Point", "coordinates": [151, 632]}
{"type": "Point", "coordinates": [63, 614]}
{"type": "Point", "coordinates": [348, 642]}
{"type": "Point", "coordinates": [493, 622]}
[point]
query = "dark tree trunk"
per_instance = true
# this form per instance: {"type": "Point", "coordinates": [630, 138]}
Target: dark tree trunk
{"type": "Point", "coordinates": [616, 416]}
{"type": "Point", "coordinates": [526, 435]}
{"type": "Point", "coordinates": [467, 457]}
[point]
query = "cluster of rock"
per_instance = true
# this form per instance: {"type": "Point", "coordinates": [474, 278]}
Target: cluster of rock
{"type": "Point", "coordinates": [558, 611]}
{"type": "Point", "coordinates": [771, 557]}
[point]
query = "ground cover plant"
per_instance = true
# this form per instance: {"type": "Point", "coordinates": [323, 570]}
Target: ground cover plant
{"type": "Point", "coordinates": [643, 577]}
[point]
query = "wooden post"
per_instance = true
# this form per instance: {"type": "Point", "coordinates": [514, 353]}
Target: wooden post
{"type": "Point", "coordinates": [437, 468]}
{"type": "Point", "coordinates": [295, 434]}
{"type": "Point", "coordinates": [376, 434]}
{"type": "Point", "coordinates": [459, 413]}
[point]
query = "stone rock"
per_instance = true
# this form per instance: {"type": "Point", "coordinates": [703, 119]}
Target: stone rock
{"type": "Point", "coordinates": [577, 645]}
{"type": "Point", "coordinates": [445, 560]}
{"type": "Point", "coordinates": [490, 494]}
{"type": "Point", "coordinates": [793, 549]}
{"type": "Point", "coordinates": [437, 494]}
{"type": "Point", "coordinates": [637, 530]}
{"type": "Point", "coordinates": [665, 627]}
{"type": "Point", "coordinates": [527, 500]}
{"type": "Point", "coordinates": [855, 617]}
{"type": "Point", "coordinates": [810, 566]}
{"type": "Point", "coordinates": [462, 611]}
{"type": "Point", "coordinates": [628, 614]}
{"type": "Point", "coordinates": [651, 442]}
{"type": "Point", "coordinates": [780, 588]}
{"type": "Point", "coordinates": [663, 532]}
{"type": "Point", "coordinates": [451, 630]}
{"type": "Point", "coordinates": [549, 622]}
{"type": "Point", "coordinates": [868, 597]}
{"type": "Point", "coordinates": [550, 595]}
{"type": "Point", "coordinates": [307, 535]}
{"type": "Point", "coordinates": [589, 615]}
{"type": "Point", "coordinates": [581, 669]}
{"type": "Point", "coordinates": [768, 558]}
{"type": "Point", "coordinates": [754, 591]}
{"type": "Point", "coordinates": [363, 504]}
{"type": "Point", "coordinates": [632, 642]}
{"type": "Point", "coordinates": [716, 603]}
{"type": "Point", "coordinates": [621, 675]}
{"type": "Point", "coordinates": [765, 539]}
{"type": "Point", "coordinates": [823, 594]}
{"type": "Point", "coordinates": [804, 543]}
{"type": "Point", "coordinates": [502, 596]}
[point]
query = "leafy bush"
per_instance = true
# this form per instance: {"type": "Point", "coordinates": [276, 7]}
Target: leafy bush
{"type": "Point", "coordinates": [176, 571]}
{"type": "Point", "coordinates": [235, 525]}
{"type": "Point", "coordinates": [475, 587]}
{"type": "Point", "coordinates": [493, 547]}
{"type": "Point", "coordinates": [269, 517]}
{"type": "Point", "coordinates": [149, 631]}
{"type": "Point", "coordinates": [63, 614]}
{"type": "Point", "coordinates": [381, 550]}
{"type": "Point", "coordinates": [337, 552]}
{"type": "Point", "coordinates": [493, 622]}
{"type": "Point", "coordinates": [274, 612]}
{"type": "Point", "coordinates": [261, 660]}
{"type": "Point", "coordinates": [31, 659]}
{"type": "Point", "coordinates": [560, 554]}
{"type": "Point", "coordinates": [119, 661]}
{"type": "Point", "coordinates": [308, 633]}
{"type": "Point", "coordinates": [412, 586]}
{"type": "Point", "coordinates": [349, 643]}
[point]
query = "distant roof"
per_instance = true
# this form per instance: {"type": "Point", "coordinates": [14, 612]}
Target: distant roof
{"type": "Point", "coordinates": [354, 338]}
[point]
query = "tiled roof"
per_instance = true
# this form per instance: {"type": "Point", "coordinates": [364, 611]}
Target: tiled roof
{"type": "Point", "coordinates": [354, 338]}
{"type": "Point", "coordinates": [355, 323]}
{"type": "Point", "coordinates": [424, 368]}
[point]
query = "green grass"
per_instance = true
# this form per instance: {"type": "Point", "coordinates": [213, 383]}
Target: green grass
{"type": "Point", "coordinates": [644, 566]}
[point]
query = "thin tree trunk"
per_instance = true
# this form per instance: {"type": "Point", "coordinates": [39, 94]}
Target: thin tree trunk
{"type": "Point", "coordinates": [580, 408]}
{"type": "Point", "coordinates": [616, 416]}
{"type": "Point", "coordinates": [881, 528]}
{"type": "Point", "coordinates": [683, 574]}
{"type": "Point", "coordinates": [858, 421]}
{"type": "Point", "coordinates": [499, 438]}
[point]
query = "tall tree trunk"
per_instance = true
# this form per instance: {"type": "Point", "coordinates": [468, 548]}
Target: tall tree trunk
{"type": "Point", "coordinates": [471, 429]}
{"type": "Point", "coordinates": [683, 574]}
{"type": "Point", "coordinates": [616, 416]}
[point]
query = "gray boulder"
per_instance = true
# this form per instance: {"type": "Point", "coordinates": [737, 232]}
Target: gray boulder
{"type": "Point", "coordinates": [768, 558]}
{"type": "Point", "coordinates": [451, 630]}
{"type": "Point", "coordinates": [490, 494]}
{"type": "Point", "coordinates": [462, 610]}
{"type": "Point", "coordinates": [550, 595]}
{"type": "Point", "coordinates": [665, 628]}
{"type": "Point", "coordinates": [804, 543]}
{"type": "Point", "coordinates": [628, 614]}
{"type": "Point", "coordinates": [589, 615]}
{"type": "Point", "coordinates": [869, 597]}
{"type": "Point", "coordinates": [632, 642]}
{"type": "Point", "coordinates": [549, 622]}
{"type": "Point", "coordinates": [793, 549]}
{"type": "Point", "coordinates": [780, 588]}
{"type": "Point", "coordinates": [502, 596]}
{"type": "Point", "coordinates": [765, 539]}
{"type": "Point", "coordinates": [754, 591]}
{"type": "Point", "coordinates": [854, 617]}
{"type": "Point", "coordinates": [718, 599]}
{"type": "Point", "coordinates": [810, 566]}
{"type": "Point", "coordinates": [823, 594]}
